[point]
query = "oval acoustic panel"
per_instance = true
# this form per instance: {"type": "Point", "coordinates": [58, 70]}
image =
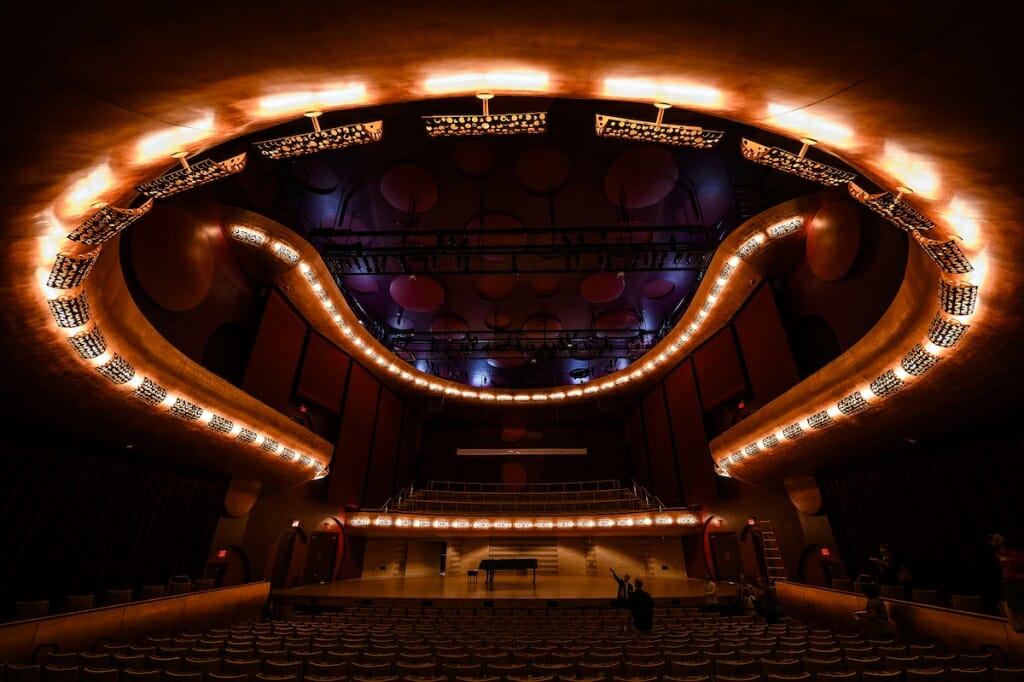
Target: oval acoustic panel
{"type": "Point", "coordinates": [409, 188]}
{"type": "Point", "coordinates": [498, 321]}
{"type": "Point", "coordinates": [449, 326]}
{"type": "Point", "coordinates": [543, 169]}
{"type": "Point", "coordinates": [658, 288]}
{"type": "Point", "coordinates": [833, 240]}
{"type": "Point", "coordinates": [544, 286]}
{"type": "Point", "coordinates": [542, 326]}
{"type": "Point", "coordinates": [602, 287]}
{"type": "Point", "coordinates": [495, 229]}
{"type": "Point", "coordinates": [641, 177]}
{"type": "Point", "coordinates": [506, 359]}
{"type": "Point", "coordinates": [617, 323]}
{"type": "Point", "coordinates": [494, 287]}
{"type": "Point", "coordinates": [173, 259]}
{"type": "Point", "coordinates": [418, 293]}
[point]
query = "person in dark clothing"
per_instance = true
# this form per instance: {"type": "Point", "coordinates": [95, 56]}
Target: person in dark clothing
{"type": "Point", "coordinates": [892, 569]}
{"type": "Point", "coordinates": [1011, 564]}
{"type": "Point", "coordinates": [624, 587]}
{"type": "Point", "coordinates": [642, 605]}
{"type": "Point", "coordinates": [874, 619]}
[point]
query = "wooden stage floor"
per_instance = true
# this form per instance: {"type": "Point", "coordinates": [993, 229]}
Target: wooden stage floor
{"type": "Point", "coordinates": [508, 591]}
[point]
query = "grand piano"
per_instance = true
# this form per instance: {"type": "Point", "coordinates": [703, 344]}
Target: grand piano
{"type": "Point", "coordinates": [492, 565]}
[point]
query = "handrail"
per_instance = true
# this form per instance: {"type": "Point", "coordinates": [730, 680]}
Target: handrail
{"type": "Point", "coordinates": [570, 486]}
{"type": "Point", "coordinates": [606, 495]}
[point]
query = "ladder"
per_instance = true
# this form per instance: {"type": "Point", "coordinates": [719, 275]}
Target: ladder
{"type": "Point", "coordinates": [775, 569]}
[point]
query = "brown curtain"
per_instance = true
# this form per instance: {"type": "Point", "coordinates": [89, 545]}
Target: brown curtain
{"type": "Point", "coordinates": [936, 504]}
{"type": "Point", "coordinates": [83, 521]}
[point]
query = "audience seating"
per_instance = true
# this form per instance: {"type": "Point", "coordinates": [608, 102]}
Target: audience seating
{"type": "Point", "coordinates": [922, 596]}
{"type": "Point", "coordinates": [926, 675]}
{"type": "Point", "coordinates": [23, 610]}
{"type": "Point", "coordinates": [89, 674]}
{"type": "Point", "coordinates": [1007, 674]}
{"type": "Point", "coordinates": [380, 644]}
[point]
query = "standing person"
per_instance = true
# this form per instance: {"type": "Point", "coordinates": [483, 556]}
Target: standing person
{"type": "Point", "coordinates": [642, 605]}
{"type": "Point", "coordinates": [710, 594]}
{"type": "Point", "coordinates": [624, 587]}
{"type": "Point", "coordinates": [875, 616]}
{"type": "Point", "coordinates": [1011, 565]}
{"type": "Point", "coordinates": [748, 597]}
{"type": "Point", "coordinates": [892, 569]}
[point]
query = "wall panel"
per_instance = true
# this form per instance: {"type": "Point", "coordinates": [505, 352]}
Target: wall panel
{"type": "Point", "coordinates": [660, 449]}
{"type": "Point", "coordinates": [765, 347]}
{"type": "Point", "coordinates": [637, 438]}
{"type": "Point", "coordinates": [323, 374]}
{"type": "Point", "coordinates": [696, 468]}
{"type": "Point", "coordinates": [270, 373]}
{"type": "Point", "coordinates": [380, 479]}
{"type": "Point", "coordinates": [355, 438]}
{"type": "Point", "coordinates": [719, 372]}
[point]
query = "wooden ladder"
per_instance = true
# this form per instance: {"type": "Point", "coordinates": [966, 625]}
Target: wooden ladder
{"type": "Point", "coordinates": [774, 567]}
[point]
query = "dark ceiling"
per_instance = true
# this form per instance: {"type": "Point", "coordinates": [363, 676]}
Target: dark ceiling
{"type": "Point", "coordinates": [517, 261]}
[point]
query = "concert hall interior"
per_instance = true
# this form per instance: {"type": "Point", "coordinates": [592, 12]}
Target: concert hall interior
{"type": "Point", "coordinates": [324, 306]}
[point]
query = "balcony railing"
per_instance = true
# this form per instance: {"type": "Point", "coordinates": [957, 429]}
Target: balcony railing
{"type": "Point", "coordinates": [580, 497]}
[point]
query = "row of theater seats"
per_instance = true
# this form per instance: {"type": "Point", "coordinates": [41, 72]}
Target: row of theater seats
{"type": "Point", "coordinates": [531, 647]}
{"type": "Point", "coordinates": [958, 602]}
{"type": "Point", "coordinates": [39, 608]}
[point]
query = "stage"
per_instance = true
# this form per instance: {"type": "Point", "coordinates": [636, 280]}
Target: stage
{"type": "Point", "coordinates": [509, 590]}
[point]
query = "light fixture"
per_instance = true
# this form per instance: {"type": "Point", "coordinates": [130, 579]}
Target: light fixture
{"type": "Point", "coordinates": [945, 332]}
{"type": "Point", "coordinates": [892, 208]}
{"type": "Point", "coordinates": [89, 344]}
{"type": "Point", "coordinates": [796, 164]}
{"type": "Point", "coordinates": [918, 361]}
{"type": "Point", "coordinates": [69, 272]}
{"type": "Point", "coordinates": [886, 384]}
{"type": "Point", "coordinates": [486, 123]}
{"type": "Point", "coordinates": [320, 139]}
{"type": "Point", "coordinates": [657, 132]}
{"type": "Point", "coordinates": [958, 299]}
{"type": "Point", "coordinates": [191, 175]}
{"type": "Point", "coordinates": [70, 311]}
{"type": "Point", "coordinates": [947, 255]}
{"type": "Point", "coordinates": [107, 222]}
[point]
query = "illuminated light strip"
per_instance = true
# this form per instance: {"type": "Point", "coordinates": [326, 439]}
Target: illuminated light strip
{"type": "Point", "coordinates": [817, 421]}
{"type": "Point", "coordinates": [629, 520]}
{"type": "Point", "coordinates": [955, 299]}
